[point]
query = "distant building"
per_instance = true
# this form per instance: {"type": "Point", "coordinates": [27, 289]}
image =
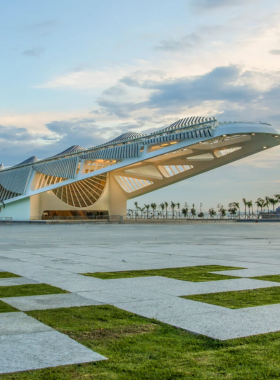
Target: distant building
{"type": "Point", "coordinates": [100, 180]}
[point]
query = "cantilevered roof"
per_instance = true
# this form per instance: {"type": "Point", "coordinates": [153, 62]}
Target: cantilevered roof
{"type": "Point", "coordinates": [130, 141]}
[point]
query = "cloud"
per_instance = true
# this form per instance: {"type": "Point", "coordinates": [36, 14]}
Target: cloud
{"type": "Point", "coordinates": [274, 52]}
{"type": "Point", "coordinates": [42, 28]}
{"type": "Point", "coordinates": [78, 131]}
{"type": "Point", "coordinates": [214, 4]}
{"type": "Point", "coordinates": [17, 144]}
{"type": "Point", "coordinates": [222, 84]}
{"type": "Point", "coordinates": [187, 42]}
{"type": "Point", "coordinates": [34, 52]}
{"type": "Point", "coordinates": [85, 79]}
{"type": "Point", "coordinates": [118, 90]}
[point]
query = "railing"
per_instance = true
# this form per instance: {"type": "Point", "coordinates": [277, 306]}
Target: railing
{"type": "Point", "coordinates": [178, 216]}
{"type": "Point", "coordinates": [169, 217]}
{"type": "Point", "coordinates": [6, 220]}
{"type": "Point", "coordinates": [90, 218]}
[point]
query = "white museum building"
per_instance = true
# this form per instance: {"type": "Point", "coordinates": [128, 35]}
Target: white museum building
{"type": "Point", "coordinates": [100, 180]}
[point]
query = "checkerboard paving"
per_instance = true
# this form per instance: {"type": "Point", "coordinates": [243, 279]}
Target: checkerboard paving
{"type": "Point", "coordinates": [57, 255]}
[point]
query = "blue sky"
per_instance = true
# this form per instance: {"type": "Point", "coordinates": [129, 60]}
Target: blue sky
{"type": "Point", "coordinates": [81, 72]}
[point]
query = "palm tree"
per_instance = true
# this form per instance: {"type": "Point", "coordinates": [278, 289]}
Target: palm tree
{"type": "Point", "coordinates": [136, 205]}
{"type": "Point", "coordinates": [154, 206]}
{"type": "Point", "coordinates": [173, 205]}
{"type": "Point", "coordinates": [178, 205]}
{"type": "Point", "coordinates": [162, 206]}
{"type": "Point", "coordinates": [273, 201]}
{"type": "Point", "coordinates": [193, 211]}
{"type": "Point", "coordinates": [166, 207]}
{"type": "Point", "coordinates": [232, 208]}
{"type": "Point", "coordinates": [236, 205]}
{"type": "Point", "coordinates": [212, 212]}
{"type": "Point", "coordinates": [142, 210]}
{"type": "Point", "coordinates": [245, 204]}
{"type": "Point", "coordinates": [277, 196]}
{"type": "Point", "coordinates": [267, 203]}
{"type": "Point", "coordinates": [147, 208]}
{"type": "Point", "coordinates": [249, 204]}
{"type": "Point", "coordinates": [185, 212]}
{"type": "Point", "coordinates": [221, 210]}
{"type": "Point", "coordinates": [186, 206]}
{"type": "Point", "coordinates": [259, 202]}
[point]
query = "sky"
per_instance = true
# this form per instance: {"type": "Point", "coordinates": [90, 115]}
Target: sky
{"type": "Point", "coordinates": [83, 72]}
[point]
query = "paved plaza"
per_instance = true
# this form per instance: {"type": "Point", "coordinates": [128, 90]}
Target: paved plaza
{"type": "Point", "coordinates": [58, 254]}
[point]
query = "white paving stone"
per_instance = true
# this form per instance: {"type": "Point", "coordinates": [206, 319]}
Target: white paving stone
{"type": "Point", "coordinates": [57, 254]}
{"type": "Point", "coordinates": [253, 272]}
{"type": "Point", "coordinates": [116, 296]}
{"type": "Point", "coordinates": [16, 281]}
{"type": "Point", "coordinates": [49, 301]}
{"type": "Point", "coordinates": [231, 325]}
{"type": "Point", "coordinates": [20, 323]}
{"type": "Point", "coordinates": [168, 307]}
{"type": "Point", "coordinates": [40, 350]}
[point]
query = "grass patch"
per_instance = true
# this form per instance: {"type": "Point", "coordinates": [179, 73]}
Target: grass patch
{"type": "Point", "coordinates": [29, 290]}
{"type": "Point", "coordinates": [8, 275]}
{"type": "Point", "coordinates": [272, 277]}
{"type": "Point", "coordinates": [240, 299]}
{"type": "Point", "coordinates": [142, 349]}
{"type": "Point", "coordinates": [5, 308]}
{"type": "Point", "coordinates": [195, 274]}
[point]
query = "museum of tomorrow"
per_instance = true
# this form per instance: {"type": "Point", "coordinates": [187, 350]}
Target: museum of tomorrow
{"type": "Point", "coordinates": [100, 180]}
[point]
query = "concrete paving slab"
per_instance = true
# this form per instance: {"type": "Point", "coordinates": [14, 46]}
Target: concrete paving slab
{"type": "Point", "coordinates": [40, 350]}
{"type": "Point", "coordinates": [116, 296]}
{"type": "Point", "coordinates": [50, 301]}
{"type": "Point", "coordinates": [168, 307]}
{"type": "Point", "coordinates": [230, 325]}
{"type": "Point", "coordinates": [20, 323]}
{"type": "Point", "coordinates": [172, 287]}
{"type": "Point", "coordinates": [16, 281]}
{"type": "Point", "coordinates": [53, 255]}
{"type": "Point", "coordinates": [75, 282]}
{"type": "Point", "coordinates": [250, 272]}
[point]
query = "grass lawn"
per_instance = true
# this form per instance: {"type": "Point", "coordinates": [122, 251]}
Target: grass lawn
{"type": "Point", "coordinates": [195, 274]}
{"type": "Point", "coordinates": [29, 290]}
{"type": "Point", "coordinates": [8, 275]}
{"type": "Point", "coordinates": [5, 308]}
{"type": "Point", "coordinates": [143, 349]}
{"type": "Point", "coordinates": [240, 299]}
{"type": "Point", "coordinates": [272, 277]}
